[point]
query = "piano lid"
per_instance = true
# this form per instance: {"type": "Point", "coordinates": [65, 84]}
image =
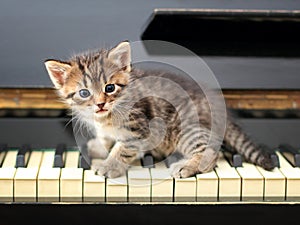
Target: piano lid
{"type": "Point", "coordinates": [246, 49]}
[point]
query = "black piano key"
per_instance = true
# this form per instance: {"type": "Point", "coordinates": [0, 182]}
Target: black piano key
{"type": "Point", "coordinates": [58, 157]}
{"type": "Point", "coordinates": [235, 159]}
{"type": "Point", "coordinates": [20, 160]}
{"type": "Point", "coordinates": [274, 156]}
{"type": "Point", "coordinates": [84, 160]}
{"type": "Point", "coordinates": [287, 148]}
{"type": "Point", "coordinates": [173, 158]}
{"type": "Point", "coordinates": [275, 160]}
{"type": "Point", "coordinates": [148, 161]}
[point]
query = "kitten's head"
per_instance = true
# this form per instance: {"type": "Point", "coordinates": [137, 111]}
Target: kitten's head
{"type": "Point", "coordinates": [92, 81]}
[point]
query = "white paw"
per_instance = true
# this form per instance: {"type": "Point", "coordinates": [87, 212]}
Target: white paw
{"type": "Point", "coordinates": [96, 149]}
{"type": "Point", "coordinates": [181, 169]}
{"type": "Point", "coordinates": [110, 168]}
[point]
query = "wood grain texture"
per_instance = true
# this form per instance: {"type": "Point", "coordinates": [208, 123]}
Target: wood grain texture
{"type": "Point", "coordinates": [46, 98]}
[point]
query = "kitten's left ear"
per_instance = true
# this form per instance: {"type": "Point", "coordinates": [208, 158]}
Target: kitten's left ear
{"type": "Point", "coordinates": [58, 71]}
{"type": "Point", "coordinates": [121, 56]}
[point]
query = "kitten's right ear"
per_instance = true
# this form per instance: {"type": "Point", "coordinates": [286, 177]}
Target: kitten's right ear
{"type": "Point", "coordinates": [57, 71]}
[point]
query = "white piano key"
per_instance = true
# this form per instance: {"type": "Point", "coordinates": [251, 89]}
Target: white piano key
{"type": "Point", "coordinates": [25, 180]}
{"type": "Point", "coordinates": [116, 189]}
{"type": "Point", "coordinates": [292, 175]}
{"type": "Point", "coordinates": [139, 184]}
{"type": "Point", "coordinates": [71, 178]}
{"type": "Point", "coordinates": [93, 186]}
{"type": "Point", "coordinates": [185, 189]}
{"type": "Point", "coordinates": [10, 159]}
{"type": "Point", "coordinates": [252, 188]}
{"type": "Point", "coordinates": [274, 184]}
{"type": "Point", "coordinates": [7, 173]}
{"type": "Point", "coordinates": [207, 186]}
{"type": "Point", "coordinates": [48, 179]}
{"type": "Point", "coordinates": [229, 181]}
{"type": "Point", "coordinates": [162, 183]}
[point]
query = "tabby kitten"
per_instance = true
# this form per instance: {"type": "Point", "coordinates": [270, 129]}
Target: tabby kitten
{"type": "Point", "coordinates": [107, 93]}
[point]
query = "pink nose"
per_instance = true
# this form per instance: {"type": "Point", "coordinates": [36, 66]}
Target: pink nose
{"type": "Point", "coordinates": [101, 105]}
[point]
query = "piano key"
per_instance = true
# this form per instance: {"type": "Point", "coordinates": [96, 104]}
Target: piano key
{"type": "Point", "coordinates": [7, 173]}
{"type": "Point", "coordinates": [274, 184]}
{"type": "Point", "coordinates": [229, 181]}
{"type": "Point", "coordinates": [22, 156]}
{"type": "Point", "coordinates": [93, 185]}
{"type": "Point", "coordinates": [252, 183]}
{"type": "Point", "coordinates": [116, 189]}
{"type": "Point", "coordinates": [139, 183]}
{"type": "Point", "coordinates": [84, 162]}
{"type": "Point", "coordinates": [162, 183]}
{"type": "Point", "coordinates": [274, 156]}
{"type": "Point", "coordinates": [147, 161]}
{"type": "Point", "coordinates": [10, 158]}
{"type": "Point", "coordinates": [185, 189]}
{"type": "Point", "coordinates": [48, 179]}
{"type": "Point", "coordinates": [2, 152]}
{"type": "Point", "coordinates": [207, 186]}
{"type": "Point", "coordinates": [59, 156]}
{"type": "Point", "coordinates": [292, 175]}
{"type": "Point", "coordinates": [25, 180]}
{"type": "Point", "coordinates": [291, 154]}
{"type": "Point", "coordinates": [234, 159]}
{"type": "Point", "coordinates": [71, 178]}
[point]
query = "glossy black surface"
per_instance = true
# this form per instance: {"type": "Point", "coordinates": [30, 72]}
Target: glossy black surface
{"type": "Point", "coordinates": [32, 31]}
{"type": "Point", "coordinates": [167, 214]}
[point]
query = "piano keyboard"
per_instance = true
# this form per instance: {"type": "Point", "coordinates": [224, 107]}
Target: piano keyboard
{"type": "Point", "coordinates": [59, 175]}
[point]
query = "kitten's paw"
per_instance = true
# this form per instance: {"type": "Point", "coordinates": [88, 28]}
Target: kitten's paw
{"type": "Point", "coordinates": [182, 169]}
{"type": "Point", "coordinates": [201, 162]}
{"type": "Point", "coordinates": [110, 168]}
{"type": "Point", "coordinates": [96, 149]}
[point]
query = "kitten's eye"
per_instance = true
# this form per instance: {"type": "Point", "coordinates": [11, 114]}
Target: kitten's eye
{"type": "Point", "coordinates": [109, 88]}
{"type": "Point", "coordinates": [84, 93]}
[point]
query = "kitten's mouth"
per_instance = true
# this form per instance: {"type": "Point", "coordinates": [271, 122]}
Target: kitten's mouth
{"type": "Point", "coordinates": [101, 110]}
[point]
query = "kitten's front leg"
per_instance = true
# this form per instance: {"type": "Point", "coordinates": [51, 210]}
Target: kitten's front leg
{"type": "Point", "coordinates": [117, 162]}
{"type": "Point", "coordinates": [99, 147]}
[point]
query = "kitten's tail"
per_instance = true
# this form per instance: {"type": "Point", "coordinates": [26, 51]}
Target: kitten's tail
{"type": "Point", "coordinates": [239, 141]}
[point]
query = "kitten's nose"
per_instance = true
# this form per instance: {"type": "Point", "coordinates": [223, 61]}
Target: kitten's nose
{"type": "Point", "coordinates": [100, 105]}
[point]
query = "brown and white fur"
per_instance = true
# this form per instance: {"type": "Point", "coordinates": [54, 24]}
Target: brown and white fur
{"type": "Point", "coordinates": [118, 136]}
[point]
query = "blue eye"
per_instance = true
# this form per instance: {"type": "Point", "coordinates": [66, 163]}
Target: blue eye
{"type": "Point", "coordinates": [84, 93]}
{"type": "Point", "coordinates": [109, 88]}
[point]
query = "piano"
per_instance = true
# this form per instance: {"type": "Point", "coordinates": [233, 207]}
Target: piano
{"type": "Point", "coordinates": [254, 54]}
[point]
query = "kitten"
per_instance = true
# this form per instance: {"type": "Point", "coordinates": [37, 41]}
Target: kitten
{"type": "Point", "coordinates": [109, 94]}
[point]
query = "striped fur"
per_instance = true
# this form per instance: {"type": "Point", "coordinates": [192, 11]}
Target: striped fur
{"type": "Point", "coordinates": [121, 131]}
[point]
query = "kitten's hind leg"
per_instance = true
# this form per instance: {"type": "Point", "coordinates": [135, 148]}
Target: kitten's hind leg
{"type": "Point", "coordinates": [199, 162]}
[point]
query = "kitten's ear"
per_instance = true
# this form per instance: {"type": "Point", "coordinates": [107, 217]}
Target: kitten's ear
{"type": "Point", "coordinates": [121, 56]}
{"type": "Point", "coordinates": [57, 71]}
